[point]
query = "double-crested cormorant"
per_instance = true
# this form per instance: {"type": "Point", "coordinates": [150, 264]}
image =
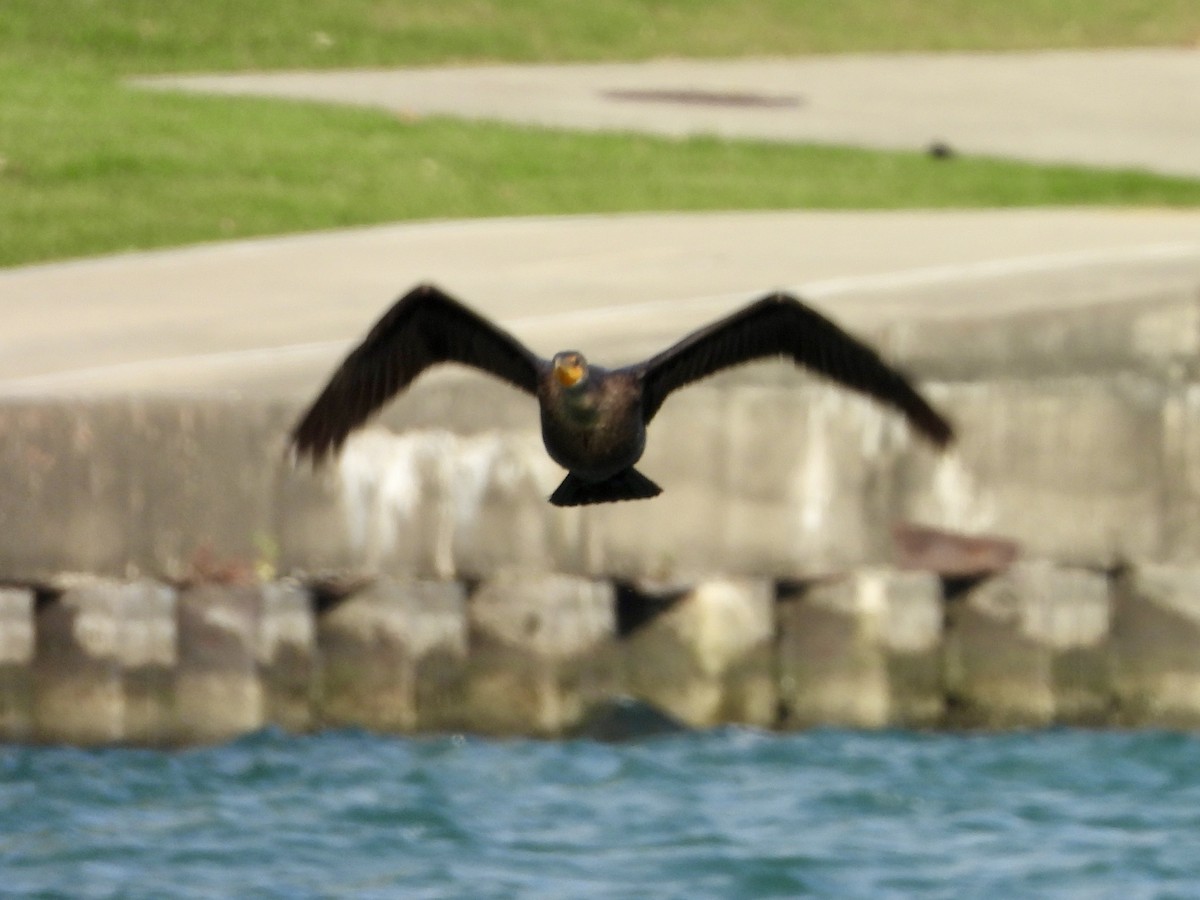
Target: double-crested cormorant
{"type": "Point", "coordinates": [593, 419]}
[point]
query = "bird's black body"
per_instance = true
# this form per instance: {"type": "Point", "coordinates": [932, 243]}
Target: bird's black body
{"type": "Point", "coordinates": [593, 419]}
{"type": "Point", "coordinates": [596, 430]}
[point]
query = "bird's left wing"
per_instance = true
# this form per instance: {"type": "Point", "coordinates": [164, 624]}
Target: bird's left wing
{"type": "Point", "coordinates": [424, 327]}
{"type": "Point", "coordinates": [780, 325]}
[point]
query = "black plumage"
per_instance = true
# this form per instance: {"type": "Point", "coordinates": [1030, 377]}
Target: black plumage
{"type": "Point", "coordinates": [593, 419]}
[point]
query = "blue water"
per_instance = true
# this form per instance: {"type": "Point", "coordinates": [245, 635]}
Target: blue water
{"type": "Point", "coordinates": [730, 813]}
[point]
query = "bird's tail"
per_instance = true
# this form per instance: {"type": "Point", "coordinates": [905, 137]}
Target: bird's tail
{"type": "Point", "coordinates": [628, 485]}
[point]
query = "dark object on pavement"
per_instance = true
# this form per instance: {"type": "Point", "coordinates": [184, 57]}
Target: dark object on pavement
{"type": "Point", "coordinates": [940, 150]}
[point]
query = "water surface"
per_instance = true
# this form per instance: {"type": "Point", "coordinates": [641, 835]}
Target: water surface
{"type": "Point", "coordinates": [728, 813]}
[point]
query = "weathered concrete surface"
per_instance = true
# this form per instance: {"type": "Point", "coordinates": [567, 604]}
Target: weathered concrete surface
{"type": "Point", "coordinates": [1156, 636]}
{"type": "Point", "coordinates": [287, 655]}
{"type": "Point", "coordinates": [709, 659]}
{"type": "Point", "coordinates": [542, 652]}
{"type": "Point", "coordinates": [393, 657]}
{"type": "Point", "coordinates": [1069, 468]}
{"type": "Point", "coordinates": [429, 502]}
{"type": "Point", "coordinates": [246, 659]}
{"type": "Point", "coordinates": [1152, 330]}
{"type": "Point", "coordinates": [774, 477]}
{"type": "Point", "coordinates": [16, 658]}
{"type": "Point", "coordinates": [862, 650]}
{"type": "Point", "coordinates": [210, 493]}
{"type": "Point", "coordinates": [1129, 108]}
{"type": "Point", "coordinates": [217, 687]}
{"type": "Point", "coordinates": [1181, 467]}
{"type": "Point", "coordinates": [104, 660]}
{"type": "Point", "coordinates": [1029, 648]}
{"type": "Point", "coordinates": [122, 487]}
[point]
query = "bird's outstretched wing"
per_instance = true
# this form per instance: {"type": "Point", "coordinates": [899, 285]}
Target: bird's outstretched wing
{"type": "Point", "coordinates": [423, 328]}
{"type": "Point", "coordinates": [780, 325]}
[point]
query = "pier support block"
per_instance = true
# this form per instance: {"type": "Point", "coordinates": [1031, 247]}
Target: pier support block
{"type": "Point", "coordinates": [103, 664]}
{"type": "Point", "coordinates": [16, 659]}
{"type": "Point", "coordinates": [1029, 648]}
{"type": "Point", "coordinates": [245, 659]}
{"type": "Point", "coordinates": [287, 645]}
{"type": "Point", "coordinates": [1156, 646]}
{"type": "Point", "coordinates": [862, 650]}
{"type": "Point", "coordinates": [709, 658]}
{"type": "Point", "coordinates": [542, 652]}
{"type": "Point", "coordinates": [219, 694]}
{"type": "Point", "coordinates": [392, 656]}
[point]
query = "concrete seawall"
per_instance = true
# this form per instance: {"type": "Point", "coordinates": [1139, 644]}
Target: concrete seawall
{"type": "Point", "coordinates": [1078, 441]}
{"type": "Point", "coordinates": [104, 662]}
{"type": "Point", "coordinates": [172, 577]}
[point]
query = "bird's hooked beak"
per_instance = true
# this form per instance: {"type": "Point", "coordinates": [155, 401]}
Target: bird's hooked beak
{"type": "Point", "coordinates": [569, 370]}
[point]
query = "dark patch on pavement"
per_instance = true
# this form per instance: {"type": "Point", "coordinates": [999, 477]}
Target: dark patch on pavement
{"type": "Point", "coordinates": [705, 98]}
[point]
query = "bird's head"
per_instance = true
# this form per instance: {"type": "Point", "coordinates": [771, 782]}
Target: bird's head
{"type": "Point", "coordinates": [570, 368]}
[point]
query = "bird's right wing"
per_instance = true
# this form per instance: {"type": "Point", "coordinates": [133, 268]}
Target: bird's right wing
{"type": "Point", "coordinates": [779, 325]}
{"type": "Point", "coordinates": [424, 327]}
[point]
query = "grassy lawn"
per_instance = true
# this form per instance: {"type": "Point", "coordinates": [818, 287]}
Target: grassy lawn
{"type": "Point", "coordinates": [90, 166]}
{"type": "Point", "coordinates": [122, 36]}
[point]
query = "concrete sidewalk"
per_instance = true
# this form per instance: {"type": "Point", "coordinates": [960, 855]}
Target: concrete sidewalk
{"type": "Point", "coordinates": [272, 316]}
{"type": "Point", "coordinates": [1136, 108]}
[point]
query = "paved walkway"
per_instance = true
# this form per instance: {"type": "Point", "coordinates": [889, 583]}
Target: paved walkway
{"type": "Point", "coordinates": [272, 315]}
{"type": "Point", "coordinates": [1137, 108]}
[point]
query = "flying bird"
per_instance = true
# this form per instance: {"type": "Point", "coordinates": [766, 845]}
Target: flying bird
{"type": "Point", "coordinates": [593, 419]}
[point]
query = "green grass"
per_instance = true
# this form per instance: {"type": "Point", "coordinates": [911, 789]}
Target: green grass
{"type": "Point", "coordinates": [90, 166]}
{"type": "Point", "coordinates": [125, 36]}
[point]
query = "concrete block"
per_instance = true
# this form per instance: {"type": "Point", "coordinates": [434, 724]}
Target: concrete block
{"type": "Point", "coordinates": [247, 659]}
{"type": "Point", "coordinates": [16, 664]}
{"type": "Point", "coordinates": [1069, 468]}
{"type": "Point", "coordinates": [911, 641]}
{"type": "Point", "coordinates": [542, 652]}
{"type": "Point", "coordinates": [103, 661]}
{"type": "Point", "coordinates": [1147, 332]}
{"type": "Point", "coordinates": [414, 495]}
{"type": "Point", "coordinates": [287, 650]}
{"type": "Point", "coordinates": [65, 489]}
{"type": "Point", "coordinates": [498, 503]}
{"type": "Point", "coordinates": [709, 658]}
{"type": "Point", "coordinates": [861, 650]}
{"type": "Point", "coordinates": [428, 504]}
{"type": "Point", "coordinates": [393, 656]}
{"type": "Point", "coordinates": [1181, 440]}
{"type": "Point", "coordinates": [202, 481]}
{"type": "Point", "coordinates": [219, 690]}
{"type": "Point", "coordinates": [1156, 646]}
{"type": "Point", "coordinates": [134, 488]}
{"type": "Point", "coordinates": [149, 653]}
{"type": "Point", "coordinates": [378, 510]}
{"type": "Point", "coordinates": [1030, 647]}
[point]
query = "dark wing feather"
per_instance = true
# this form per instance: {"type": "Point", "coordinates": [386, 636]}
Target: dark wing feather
{"type": "Point", "coordinates": [423, 328]}
{"type": "Point", "coordinates": [780, 325]}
